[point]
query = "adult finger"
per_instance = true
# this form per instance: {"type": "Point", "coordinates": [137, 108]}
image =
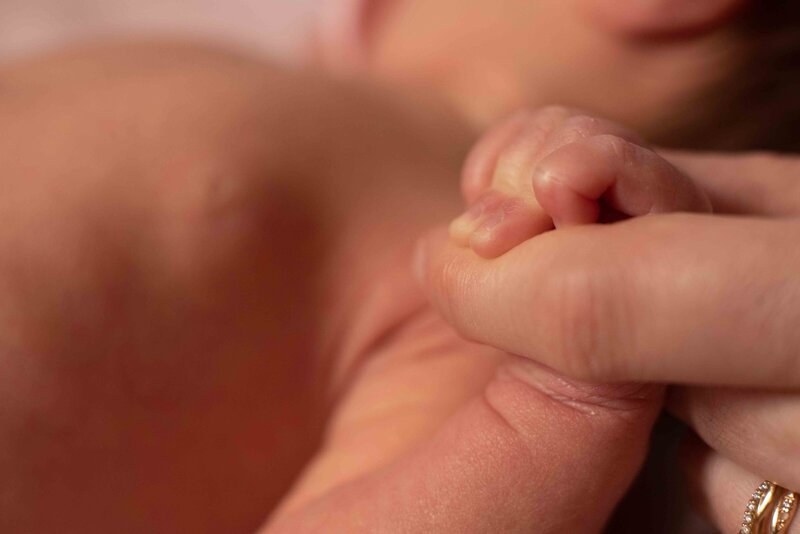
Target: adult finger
{"type": "Point", "coordinates": [665, 298]}
{"type": "Point", "coordinates": [758, 430]}
{"type": "Point", "coordinates": [753, 184]}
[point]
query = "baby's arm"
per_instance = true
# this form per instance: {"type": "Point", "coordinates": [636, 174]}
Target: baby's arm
{"type": "Point", "coordinates": [558, 167]}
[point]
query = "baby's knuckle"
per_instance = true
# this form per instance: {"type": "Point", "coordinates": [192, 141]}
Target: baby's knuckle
{"type": "Point", "coordinates": [555, 112]}
{"type": "Point", "coordinates": [540, 125]}
{"type": "Point", "coordinates": [580, 127]}
{"type": "Point", "coordinates": [551, 117]}
{"type": "Point", "coordinates": [617, 148]}
{"type": "Point", "coordinates": [521, 115]}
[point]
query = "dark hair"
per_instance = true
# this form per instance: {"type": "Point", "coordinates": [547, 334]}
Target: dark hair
{"type": "Point", "coordinates": [760, 108]}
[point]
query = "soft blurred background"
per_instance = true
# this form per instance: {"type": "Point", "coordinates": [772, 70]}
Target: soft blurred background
{"type": "Point", "coordinates": [282, 29]}
{"type": "Point", "coordinates": [279, 28]}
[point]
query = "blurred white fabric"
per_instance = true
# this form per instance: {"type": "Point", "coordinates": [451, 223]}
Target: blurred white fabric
{"type": "Point", "coordinates": [279, 28]}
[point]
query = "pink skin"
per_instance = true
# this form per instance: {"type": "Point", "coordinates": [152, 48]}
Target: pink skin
{"type": "Point", "coordinates": [559, 168]}
{"type": "Point", "coordinates": [626, 59]}
{"type": "Point", "coordinates": [344, 30]}
{"type": "Point", "coordinates": [659, 18]}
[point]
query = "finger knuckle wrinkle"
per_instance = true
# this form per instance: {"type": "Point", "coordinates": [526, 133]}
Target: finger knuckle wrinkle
{"type": "Point", "coordinates": [580, 127]}
{"type": "Point", "coordinates": [545, 121]}
{"type": "Point", "coordinates": [587, 397]}
{"type": "Point", "coordinates": [618, 148]}
{"type": "Point", "coordinates": [580, 323]}
{"type": "Point", "coordinates": [452, 282]}
{"type": "Point", "coordinates": [554, 112]}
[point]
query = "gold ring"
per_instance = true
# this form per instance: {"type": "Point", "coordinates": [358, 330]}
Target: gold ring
{"type": "Point", "coordinates": [784, 513]}
{"type": "Point", "coordinates": [770, 510]}
{"type": "Point", "coordinates": [757, 508]}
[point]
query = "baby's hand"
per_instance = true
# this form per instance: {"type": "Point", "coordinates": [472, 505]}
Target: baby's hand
{"type": "Point", "coordinates": [557, 167]}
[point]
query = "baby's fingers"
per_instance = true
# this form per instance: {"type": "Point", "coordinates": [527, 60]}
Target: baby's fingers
{"type": "Point", "coordinates": [571, 182]}
{"type": "Point", "coordinates": [480, 165]}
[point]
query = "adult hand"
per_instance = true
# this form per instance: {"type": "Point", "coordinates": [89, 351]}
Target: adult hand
{"type": "Point", "coordinates": [697, 300]}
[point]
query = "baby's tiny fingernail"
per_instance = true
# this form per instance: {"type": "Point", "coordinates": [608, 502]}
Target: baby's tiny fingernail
{"type": "Point", "coordinates": [475, 210]}
{"type": "Point", "coordinates": [463, 226]}
{"type": "Point", "coordinates": [489, 222]}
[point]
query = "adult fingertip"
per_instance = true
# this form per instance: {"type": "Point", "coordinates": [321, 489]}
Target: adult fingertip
{"type": "Point", "coordinates": [448, 275]}
{"type": "Point", "coordinates": [428, 247]}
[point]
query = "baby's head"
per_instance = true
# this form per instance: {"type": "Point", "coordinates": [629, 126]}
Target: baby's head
{"type": "Point", "coordinates": [703, 73]}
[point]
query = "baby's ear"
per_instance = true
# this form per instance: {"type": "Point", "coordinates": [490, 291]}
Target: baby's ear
{"type": "Point", "coordinates": [647, 18]}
